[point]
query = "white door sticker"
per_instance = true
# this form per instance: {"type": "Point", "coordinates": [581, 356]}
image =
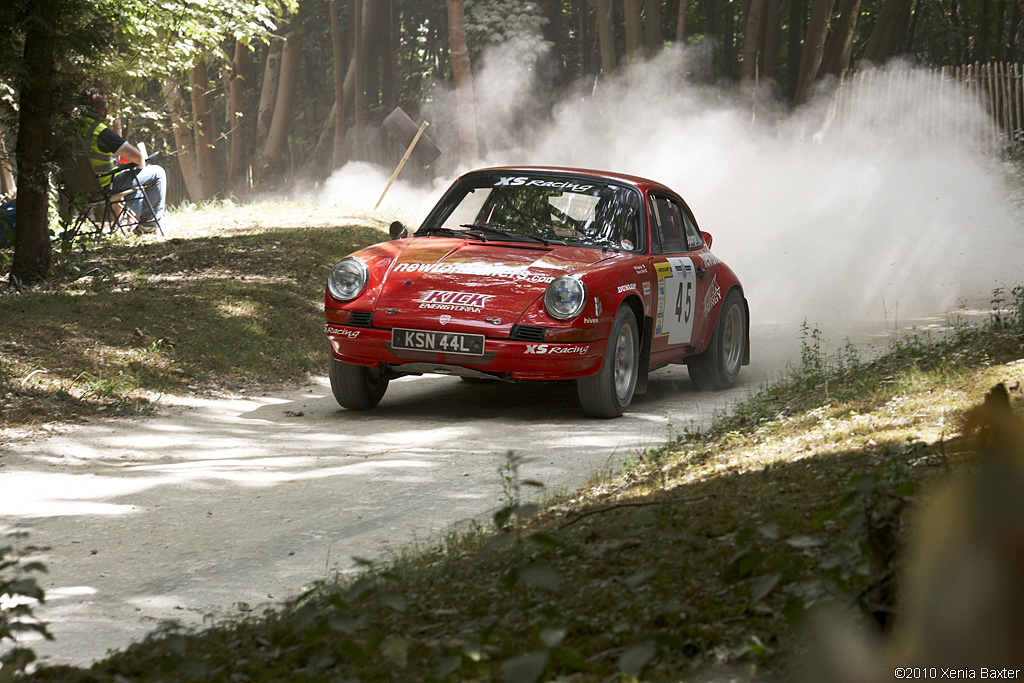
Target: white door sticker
{"type": "Point", "coordinates": [676, 293]}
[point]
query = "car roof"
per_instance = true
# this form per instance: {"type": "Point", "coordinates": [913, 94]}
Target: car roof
{"type": "Point", "coordinates": [643, 183]}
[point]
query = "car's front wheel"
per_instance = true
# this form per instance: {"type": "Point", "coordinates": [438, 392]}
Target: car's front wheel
{"type": "Point", "coordinates": [719, 365]}
{"type": "Point", "coordinates": [356, 387]}
{"type": "Point", "coordinates": [609, 392]}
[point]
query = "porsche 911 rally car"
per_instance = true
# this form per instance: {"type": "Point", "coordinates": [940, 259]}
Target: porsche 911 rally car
{"type": "Point", "coordinates": [539, 274]}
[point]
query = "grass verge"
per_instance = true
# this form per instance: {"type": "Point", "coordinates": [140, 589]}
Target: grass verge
{"type": "Point", "coordinates": [701, 561]}
{"type": "Point", "coordinates": [214, 307]}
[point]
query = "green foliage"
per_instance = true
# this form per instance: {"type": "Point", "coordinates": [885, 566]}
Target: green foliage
{"type": "Point", "coordinates": [19, 592]}
{"type": "Point", "coordinates": [515, 23]}
{"type": "Point", "coordinates": [822, 378]}
{"type": "Point", "coordinates": [851, 557]}
{"type": "Point", "coordinates": [182, 31]}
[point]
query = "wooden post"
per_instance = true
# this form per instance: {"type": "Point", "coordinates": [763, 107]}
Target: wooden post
{"type": "Point", "coordinates": [401, 163]}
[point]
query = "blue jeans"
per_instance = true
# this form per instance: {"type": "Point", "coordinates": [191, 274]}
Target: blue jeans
{"type": "Point", "coordinates": [157, 193]}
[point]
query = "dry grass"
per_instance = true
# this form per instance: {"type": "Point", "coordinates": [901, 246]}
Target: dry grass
{"type": "Point", "coordinates": [224, 302]}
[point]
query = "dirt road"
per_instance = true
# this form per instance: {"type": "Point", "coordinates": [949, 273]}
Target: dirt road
{"type": "Point", "coordinates": [214, 508]}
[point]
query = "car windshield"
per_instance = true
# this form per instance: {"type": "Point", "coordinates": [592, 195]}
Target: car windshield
{"type": "Point", "coordinates": [549, 209]}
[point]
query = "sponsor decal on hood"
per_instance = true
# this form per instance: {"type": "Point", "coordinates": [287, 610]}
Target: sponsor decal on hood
{"type": "Point", "coordinates": [463, 302]}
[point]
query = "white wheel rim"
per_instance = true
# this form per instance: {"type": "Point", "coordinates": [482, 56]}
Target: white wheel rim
{"type": "Point", "coordinates": [625, 363]}
{"type": "Point", "coordinates": [732, 340]}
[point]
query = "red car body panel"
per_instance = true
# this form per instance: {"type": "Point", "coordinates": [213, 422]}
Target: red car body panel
{"type": "Point", "coordinates": [442, 284]}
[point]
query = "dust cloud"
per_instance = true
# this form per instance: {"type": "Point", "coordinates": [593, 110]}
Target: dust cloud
{"type": "Point", "coordinates": [860, 206]}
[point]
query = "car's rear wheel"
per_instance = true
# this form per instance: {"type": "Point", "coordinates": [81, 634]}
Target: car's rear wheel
{"type": "Point", "coordinates": [719, 365]}
{"type": "Point", "coordinates": [609, 392]}
{"type": "Point", "coordinates": [356, 387]}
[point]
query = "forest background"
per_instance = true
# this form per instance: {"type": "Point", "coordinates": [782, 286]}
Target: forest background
{"type": "Point", "coordinates": [257, 96]}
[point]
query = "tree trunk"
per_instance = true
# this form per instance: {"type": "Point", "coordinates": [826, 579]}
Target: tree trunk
{"type": "Point", "coordinates": [890, 30]}
{"type": "Point", "coordinates": [272, 164]}
{"type": "Point", "coordinates": [359, 55]}
{"type": "Point", "coordinates": [463, 75]}
{"type": "Point", "coordinates": [634, 31]}
{"type": "Point", "coordinates": [210, 170]}
{"type": "Point", "coordinates": [814, 44]}
{"type": "Point", "coordinates": [681, 22]}
{"type": "Point", "coordinates": [772, 39]}
{"type": "Point", "coordinates": [652, 26]}
{"type": "Point", "coordinates": [185, 150]}
{"type": "Point", "coordinates": [794, 41]}
{"type": "Point", "coordinates": [388, 89]}
{"type": "Point", "coordinates": [268, 92]}
{"type": "Point", "coordinates": [236, 120]}
{"type": "Point", "coordinates": [751, 40]}
{"type": "Point", "coordinates": [32, 250]}
{"type": "Point", "coordinates": [331, 125]}
{"type": "Point", "coordinates": [6, 176]}
{"type": "Point", "coordinates": [606, 36]}
{"type": "Point", "coordinates": [337, 41]}
{"type": "Point", "coordinates": [837, 57]}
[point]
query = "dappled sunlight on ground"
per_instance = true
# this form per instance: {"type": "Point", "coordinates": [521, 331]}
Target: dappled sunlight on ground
{"type": "Point", "coordinates": [220, 505]}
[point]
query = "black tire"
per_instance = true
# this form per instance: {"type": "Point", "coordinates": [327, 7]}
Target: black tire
{"type": "Point", "coordinates": [356, 387]}
{"type": "Point", "coordinates": [609, 392]}
{"type": "Point", "coordinates": [719, 365]}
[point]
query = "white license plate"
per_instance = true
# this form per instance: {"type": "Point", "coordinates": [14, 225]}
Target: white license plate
{"type": "Point", "coordinates": [438, 342]}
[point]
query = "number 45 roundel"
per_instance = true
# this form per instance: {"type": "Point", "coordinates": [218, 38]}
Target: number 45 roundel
{"type": "Point", "coordinates": [677, 287]}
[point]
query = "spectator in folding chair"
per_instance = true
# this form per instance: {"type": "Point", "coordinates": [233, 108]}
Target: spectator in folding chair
{"type": "Point", "coordinates": [105, 147]}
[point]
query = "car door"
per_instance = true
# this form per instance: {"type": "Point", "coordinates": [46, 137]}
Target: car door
{"type": "Point", "coordinates": [680, 278]}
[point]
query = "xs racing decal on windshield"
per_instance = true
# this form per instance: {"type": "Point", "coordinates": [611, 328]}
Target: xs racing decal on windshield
{"type": "Point", "coordinates": [520, 274]}
{"type": "Point", "coordinates": [343, 331]}
{"type": "Point", "coordinates": [515, 181]}
{"type": "Point", "coordinates": [461, 302]}
{"type": "Point", "coordinates": [676, 293]}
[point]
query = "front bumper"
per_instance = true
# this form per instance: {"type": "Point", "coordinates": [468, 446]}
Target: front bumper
{"type": "Point", "coordinates": [502, 358]}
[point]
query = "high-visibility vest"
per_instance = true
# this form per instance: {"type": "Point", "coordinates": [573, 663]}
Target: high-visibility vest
{"type": "Point", "coordinates": [101, 161]}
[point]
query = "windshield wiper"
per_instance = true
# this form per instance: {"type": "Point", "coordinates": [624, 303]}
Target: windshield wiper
{"type": "Point", "coordinates": [483, 227]}
{"type": "Point", "coordinates": [450, 232]}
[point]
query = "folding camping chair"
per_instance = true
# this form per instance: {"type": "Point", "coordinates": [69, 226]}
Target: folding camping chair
{"type": "Point", "coordinates": [89, 208]}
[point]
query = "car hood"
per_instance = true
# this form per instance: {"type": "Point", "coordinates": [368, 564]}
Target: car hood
{"type": "Point", "coordinates": [471, 286]}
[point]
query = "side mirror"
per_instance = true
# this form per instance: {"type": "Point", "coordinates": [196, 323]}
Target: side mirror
{"type": "Point", "coordinates": [707, 239]}
{"type": "Point", "coordinates": [398, 231]}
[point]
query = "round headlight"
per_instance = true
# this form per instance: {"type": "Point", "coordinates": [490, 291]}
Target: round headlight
{"type": "Point", "coordinates": [565, 297]}
{"type": "Point", "coordinates": [348, 279]}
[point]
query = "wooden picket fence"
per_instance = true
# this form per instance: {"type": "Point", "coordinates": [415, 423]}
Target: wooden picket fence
{"type": "Point", "coordinates": [997, 86]}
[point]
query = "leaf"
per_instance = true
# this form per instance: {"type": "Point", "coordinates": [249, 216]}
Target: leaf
{"type": "Point", "coordinates": [635, 657]}
{"type": "Point", "coordinates": [639, 577]}
{"type": "Point", "coordinates": [319, 662]}
{"type": "Point", "coordinates": [744, 564]}
{"type": "Point", "coordinates": [473, 652]}
{"type": "Point", "coordinates": [571, 659]}
{"type": "Point", "coordinates": [527, 510]}
{"type": "Point", "coordinates": [763, 585]}
{"type": "Point", "coordinates": [526, 668]}
{"type": "Point", "coordinates": [343, 624]}
{"type": "Point", "coordinates": [804, 541]}
{"type": "Point", "coordinates": [770, 530]}
{"type": "Point", "coordinates": [547, 539]}
{"type": "Point", "coordinates": [552, 636]}
{"type": "Point", "coordinates": [541, 576]}
{"type": "Point", "coordinates": [793, 611]}
{"type": "Point", "coordinates": [448, 666]}
{"type": "Point", "coordinates": [395, 601]}
{"type": "Point", "coordinates": [396, 650]}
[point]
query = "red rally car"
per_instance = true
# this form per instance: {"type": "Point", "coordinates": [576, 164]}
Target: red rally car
{"type": "Point", "coordinates": [539, 274]}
